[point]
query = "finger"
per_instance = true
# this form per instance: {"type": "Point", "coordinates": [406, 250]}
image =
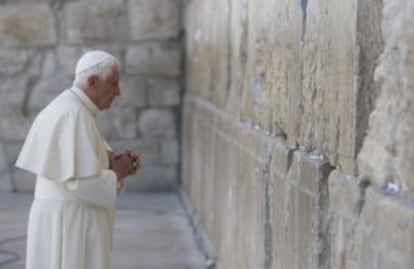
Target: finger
{"type": "Point", "coordinates": [131, 153]}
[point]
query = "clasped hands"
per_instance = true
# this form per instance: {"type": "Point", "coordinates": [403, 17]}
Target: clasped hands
{"type": "Point", "coordinates": [125, 164]}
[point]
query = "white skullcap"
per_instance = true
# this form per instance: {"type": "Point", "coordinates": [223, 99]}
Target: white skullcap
{"type": "Point", "coordinates": [91, 59]}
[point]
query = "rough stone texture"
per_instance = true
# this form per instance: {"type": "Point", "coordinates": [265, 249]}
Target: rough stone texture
{"type": "Point", "coordinates": [12, 61]}
{"type": "Point", "coordinates": [95, 21]}
{"type": "Point", "coordinates": [5, 177]}
{"type": "Point", "coordinates": [278, 99]}
{"type": "Point", "coordinates": [27, 25]}
{"type": "Point", "coordinates": [50, 83]}
{"type": "Point", "coordinates": [154, 59]}
{"type": "Point", "coordinates": [257, 211]}
{"type": "Point", "coordinates": [154, 19]}
{"type": "Point", "coordinates": [158, 123]}
{"type": "Point", "coordinates": [169, 152]}
{"type": "Point", "coordinates": [369, 228]}
{"type": "Point", "coordinates": [387, 152]}
{"type": "Point", "coordinates": [164, 92]}
{"type": "Point", "coordinates": [119, 122]}
{"type": "Point", "coordinates": [22, 180]}
{"type": "Point", "coordinates": [134, 91]}
{"type": "Point", "coordinates": [38, 53]}
{"type": "Point", "coordinates": [14, 125]}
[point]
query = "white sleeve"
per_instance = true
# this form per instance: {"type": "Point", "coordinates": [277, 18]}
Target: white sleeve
{"type": "Point", "coordinates": [100, 191]}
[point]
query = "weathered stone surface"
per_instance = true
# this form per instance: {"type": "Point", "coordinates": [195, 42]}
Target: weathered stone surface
{"type": "Point", "coordinates": [162, 92]}
{"type": "Point", "coordinates": [14, 125]}
{"type": "Point", "coordinates": [281, 157]}
{"type": "Point", "coordinates": [344, 194]}
{"type": "Point", "coordinates": [269, 65]}
{"type": "Point", "coordinates": [153, 59]}
{"type": "Point", "coordinates": [157, 122]}
{"type": "Point", "coordinates": [154, 178]}
{"type": "Point", "coordinates": [13, 61]}
{"type": "Point", "coordinates": [13, 92]}
{"type": "Point", "coordinates": [95, 21]}
{"type": "Point", "coordinates": [370, 44]}
{"type": "Point", "coordinates": [134, 91]}
{"type": "Point", "coordinates": [328, 93]}
{"type": "Point", "coordinates": [27, 25]}
{"type": "Point", "coordinates": [169, 152]}
{"type": "Point", "coordinates": [387, 152]}
{"type": "Point", "coordinates": [68, 57]}
{"type": "Point", "coordinates": [5, 175]}
{"type": "Point", "coordinates": [22, 180]}
{"type": "Point", "coordinates": [119, 122]}
{"type": "Point", "coordinates": [52, 82]}
{"type": "Point", "coordinates": [154, 19]}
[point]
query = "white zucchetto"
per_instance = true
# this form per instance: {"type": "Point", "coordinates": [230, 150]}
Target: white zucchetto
{"type": "Point", "coordinates": [91, 59]}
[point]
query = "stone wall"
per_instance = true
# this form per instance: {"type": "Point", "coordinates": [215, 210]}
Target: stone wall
{"type": "Point", "coordinates": [297, 131]}
{"type": "Point", "coordinates": [40, 42]}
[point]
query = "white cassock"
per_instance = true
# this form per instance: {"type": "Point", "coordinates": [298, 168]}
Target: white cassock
{"type": "Point", "coordinates": [71, 218]}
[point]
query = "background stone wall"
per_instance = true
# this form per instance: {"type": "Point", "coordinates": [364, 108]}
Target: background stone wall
{"type": "Point", "coordinates": [40, 42]}
{"type": "Point", "coordinates": [297, 131]}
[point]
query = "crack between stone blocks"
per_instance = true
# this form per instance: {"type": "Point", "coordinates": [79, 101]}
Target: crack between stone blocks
{"type": "Point", "coordinates": [359, 205]}
{"type": "Point", "coordinates": [323, 225]}
{"type": "Point", "coordinates": [268, 230]}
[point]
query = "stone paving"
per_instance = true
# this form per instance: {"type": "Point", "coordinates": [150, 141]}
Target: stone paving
{"type": "Point", "coordinates": [152, 231]}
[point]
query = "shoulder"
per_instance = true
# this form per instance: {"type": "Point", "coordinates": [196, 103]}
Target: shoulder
{"type": "Point", "coordinates": [66, 105]}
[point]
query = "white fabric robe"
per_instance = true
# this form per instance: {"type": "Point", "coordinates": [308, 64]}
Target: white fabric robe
{"type": "Point", "coordinates": [71, 218]}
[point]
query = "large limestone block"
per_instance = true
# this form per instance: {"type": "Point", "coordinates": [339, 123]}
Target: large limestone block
{"type": "Point", "coordinates": [157, 123]}
{"type": "Point", "coordinates": [208, 52]}
{"type": "Point", "coordinates": [328, 90]}
{"type": "Point", "coordinates": [154, 19]}
{"type": "Point", "coordinates": [13, 92]}
{"type": "Point", "coordinates": [53, 80]}
{"type": "Point", "coordinates": [27, 25]}
{"type": "Point", "coordinates": [13, 61]}
{"type": "Point", "coordinates": [198, 166]}
{"type": "Point", "coordinates": [163, 92]}
{"type": "Point", "coordinates": [387, 154]}
{"type": "Point", "coordinates": [5, 171]}
{"type": "Point", "coordinates": [271, 75]}
{"type": "Point", "coordinates": [119, 122]}
{"type": "Point", "coordinates": [169, 152]}
{"type": "Point", "coordinates": [14, 124]}
{"type": "Point", "coordinates": [154, 59]}
{"type": "Point", "coordinates": [22, 180]}
{"type": "Point", "coordinates": [226, 167]}
{"type": "Point", "coordinates": [134, 91]}
{"type": "Point", "coordinates": [244, 193]}
{"type": "Point", "coordinates": [390, 220]}
{"type": "Point", "coordinates": [281, 157]}
{"type": "Point", "coordinates": [95, 21]}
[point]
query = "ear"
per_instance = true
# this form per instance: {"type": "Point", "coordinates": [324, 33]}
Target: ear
{"type": "Point", "coordinates": [92, 81]}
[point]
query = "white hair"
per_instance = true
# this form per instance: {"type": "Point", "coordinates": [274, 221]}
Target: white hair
{"type": "Point", "coordinates": [103, 70]}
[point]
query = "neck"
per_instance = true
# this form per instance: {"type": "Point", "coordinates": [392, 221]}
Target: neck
{"type": "Point", "coordinates": [91, 93]}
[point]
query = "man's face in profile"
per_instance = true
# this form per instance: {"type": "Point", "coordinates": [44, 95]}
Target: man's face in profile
{"type": "Point", "coordinates": [108, 89]}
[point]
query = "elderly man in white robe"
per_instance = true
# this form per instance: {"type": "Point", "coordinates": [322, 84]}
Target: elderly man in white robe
{"type": "Point", "coordinates": [78, 177]}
